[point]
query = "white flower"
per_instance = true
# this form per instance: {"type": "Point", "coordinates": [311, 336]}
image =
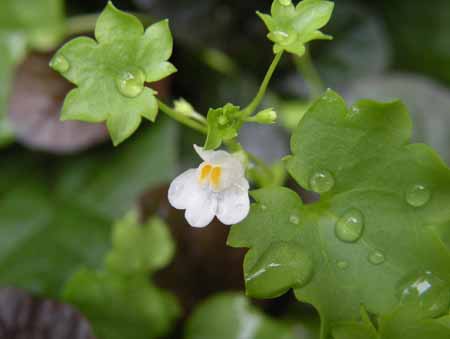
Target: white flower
{"type": "Point", "coordinates": [217, 187]}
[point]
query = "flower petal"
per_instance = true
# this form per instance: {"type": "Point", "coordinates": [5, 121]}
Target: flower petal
{"type": "Point", "coordinates": [234, 203]}
{"type": "Point", "coordinates": [182, 188]}
{"type": "Point", "coordinates": [213, 157]}
{"type": "Point", "coordinates": [202, 208]}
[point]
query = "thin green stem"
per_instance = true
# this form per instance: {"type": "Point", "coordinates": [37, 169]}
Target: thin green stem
{"type": "Point", "coordinates": [306, 67]}
{"type": "Point", "coordinates": [181, 118]}
{"type": "Point", "coordinates": [263, 88]}
{"type": "Point", "coordinates": [234, 146]}
{"type": "Point", "coordinates": [260, 163]}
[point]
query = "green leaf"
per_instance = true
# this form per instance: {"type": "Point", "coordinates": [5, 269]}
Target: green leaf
{"type": "Point", "coordinates": [13, 47]}
{"type": "Point", "coordinates": [403, 322]}
{"type": "Point", "coordinates": [291, 27]}
{"type": "Point", "coordinates": [41, 22]}
{"type": "Point", "coordinates": [231, 316]}
{"type": "Point", "coordinates": [139, 249]}
{"type": "Point", "coordinates": [120, 301]}
{"type": "Point", "coordinates": [121, 307]}
{"type": "Point", "coordinates": [223, 124]}
{"type": "Point", "coordinates": [372, 238]}
{"type": "Point", "coordinates": [55, 218]}
{"type": "Point", "coordinates": [38, 24]}
{"type": "Point", "coordinates": [111, 73]}
{"type": "Point", "coordinates": [109, 182]}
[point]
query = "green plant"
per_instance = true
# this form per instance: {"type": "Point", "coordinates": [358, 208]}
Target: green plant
{"type": "Point", "coordinates": [372, 255]}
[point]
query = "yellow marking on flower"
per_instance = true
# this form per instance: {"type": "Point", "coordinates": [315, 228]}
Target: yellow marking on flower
{"type": "Point", "coordinates": [204, 172]}
{"type": "Point", "coordinates": [214, 178]}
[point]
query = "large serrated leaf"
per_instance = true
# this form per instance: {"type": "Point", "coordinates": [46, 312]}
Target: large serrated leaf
{"type": "Point", "coordinates": [373, 238]}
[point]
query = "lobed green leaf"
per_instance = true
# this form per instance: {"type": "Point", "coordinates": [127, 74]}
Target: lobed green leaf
{"type": "Point", "coordinates": [291, 27]}
{"type": "Point", "coordinates": [378, 235]}
{"type": "Point", "coordinates": [231, 316]}
{"type": "Point", "coordinates": [111, 73]}
{"type": "Point", "coordinates": [119, 300]}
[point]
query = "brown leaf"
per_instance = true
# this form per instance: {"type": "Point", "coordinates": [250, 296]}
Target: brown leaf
{"type": "Point", "coordinates": [26, 317]}
{"type": "Point", "coordinates": [35, 104]}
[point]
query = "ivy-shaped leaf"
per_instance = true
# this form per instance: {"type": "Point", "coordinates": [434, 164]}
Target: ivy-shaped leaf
{"type": "Point", "coordinates": [111, 72]}
{"type": "Point", "coordinates": [291, 27]}
{"type": "Point", "coordinates": [120, 301]}
{"type": "Point", "coordinates": [374, 238]}
{"type": "Point", "coordinates": [139, 249]}
{"type": "Point", "coordinates": [231, 316]}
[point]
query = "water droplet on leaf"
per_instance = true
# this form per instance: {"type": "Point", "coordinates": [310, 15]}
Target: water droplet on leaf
{"type": "Point", "coordinates": [131, 83]}
{"type": "Point", "coordinates": [263, 207]}
{"type": "Point", "coordinates": [342, 264]}
{"type": "Point", "coordinates": [349, 227]}
{"type": "Point", "coordinates": [284, 38]}
{"type": "Point", "coordinates": [418, 195]}
{"type": "Point", "coordinates": [60, 64]}
{"type": "Point", "coordinates": [294, 219]}
{"type": "Point", "coordinates": [426, 290]}
{"type": "Point", "coordinates": [321, 181]}
{"type": "Point", "coordinates": [282, 266]}
{"type": "Point", "coordinates": [376, 258]}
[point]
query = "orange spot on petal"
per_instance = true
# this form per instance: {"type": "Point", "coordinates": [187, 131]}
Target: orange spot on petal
{"type": "Point", "coordinates": [205, 171]}
{"type": "Point", "coordinates": [215, 176]}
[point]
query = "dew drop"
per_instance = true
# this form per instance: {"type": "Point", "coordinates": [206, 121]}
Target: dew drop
{"type": "Point", "coordinates": [280, 36]}
{"type": "Point", "coordinates": [321, 181]}
{"type": "Point", "coordinates": [285, 2]}
{"type": "Point", "coordinates": [131, 83]}
{"type": "Point", "coordinates": [282, 266]}
{"type": "Point", "coordinates": [293, 219]}
{"type": "Point", "coordinates": [376, 258]}
{"type": "Point", "coordinates": [426, 290]}
{"type": "Point", "coordinates": [349, 227]}
{"type": "Point", "coordinates": [418, 195]}
{"type": "Point", "coordinates": [342, 264]}
{"type": "Point", "coordinates": [263, 207]}
{"type": "Point", "coordinates": [284, 38]}
{"type": "Point", "coordinates": [60, 64]}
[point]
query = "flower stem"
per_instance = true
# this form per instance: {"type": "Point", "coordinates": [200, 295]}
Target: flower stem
{"type": "Point", "coordinates": [306, 67]}
{"type": "Point", "coordinates": [181, 118]}
{"type": "Point", "coordinates": [234, 146]}
{"type": "Point", "coordinates": [263, 88]}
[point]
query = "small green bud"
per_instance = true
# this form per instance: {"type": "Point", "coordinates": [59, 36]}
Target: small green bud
{"type": "Point", "coordinates": [184, 107]}
{"type": "Point", "coordinates": [267, 117]}
{"type": "Point", "coordinates": [222, 120]}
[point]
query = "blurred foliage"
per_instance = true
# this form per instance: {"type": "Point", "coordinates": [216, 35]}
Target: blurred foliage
{"type": "Point", "coordinates": [231, 316]}
{"type": "Point", "coordinates": [119, 299]}
{"type": "Point", "coordinates": [24, 24]}
{"type": "Point", "coordinates": [56, 212]}
{"type": "Point", "coordinates": [420, 31]}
